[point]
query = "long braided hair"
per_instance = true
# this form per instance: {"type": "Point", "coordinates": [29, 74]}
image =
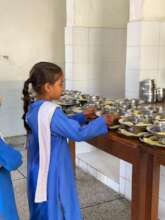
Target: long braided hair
{"type": "Point", "coordinates": [40, 74]}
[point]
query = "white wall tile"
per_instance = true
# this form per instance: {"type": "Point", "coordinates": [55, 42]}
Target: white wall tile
{"type": "Point", "coordinates": [80, 75]}
{"type": "Point", "coordinates": [162, 210]}
{"type": "Point", "coordinates": [80, 54]}
{"type": "Point", "coordinates": [148, 74]}
{"type": "Point", "coordinates": [122, 186]}
{"type": "Point", "coordinates": [113, 185]}
{"type": "Point", "coordinates": [161, 79]}
{"type": "Point", "coordinates": [162, 57]}
{"type": "Point", "coordinates": [81, 71]}
{"type": "Point", "coordinates": [131, 94]}
{"type": "Point", "coordinates": [68, 71]}
{"type": "Point", "coordinates": [133, 34]}
{"type": "Point", "coordinates": [93, 86]}
{"type": "Point", "coordinates": [142, 58]}
{"type": "Point", "coordinates": [90, 63]}
{"type": "Point", "coordinates": [128, 190]}
{"type": "Point", "coordinates": [162, 188]}
{"type": "Point", "coordinates": [77, 161]}
{"type": "Point", "coordinates": [113, 79]}
{"type": "Point", "coordinates": [122, 169]}
{"type": "Point", "coordinates": [68, 84]}
{"type": "Point", "coordinates": [96, 54]}
{"type": "Point", "coordinates": [80, 36]}
{"type": "Point", "coordinates": [133, 58]}
{"type": "Point", "coordinates": [129, 172]}
{"type": "Point", "coordinates": [95, 70]}
{"type": "Point", "coordinates": [162, 170]}
{"type": "Point", "coordinates": [125, 170]}
{"type": "Point", "coordinates": [96, 36]}
{"type": "Point", "coordinates": [113, 52]}
{"type": "Point", "coordinates": [132, 82]}
{"type": "Point", "coordinates": [68, 36]}
{"type": "Point", "coordinates": [149, 58]}
{"type": "Point", "coordinates": [162, 33]}
{"type": "Point", "coordinates": [70, 12]}
{"type": "Point", "coordinates": [69, 53]}
{"type": "Point", "coordinates": [114, 69]}
{"type": "Point", "coordinates": [83, 147]}
{"type": "Point", "coordinates": [79, 85]}
{"type": "Point", "coordinates": [113, 37]}
{"type": "Point", "coordinates": [102, 178]}
{"type": "Point", "coordinates": [150, 33]}
{"type": "Point", "coordinates": [143, 33]}
{"type": "Point", "coordinates": [83, 165]}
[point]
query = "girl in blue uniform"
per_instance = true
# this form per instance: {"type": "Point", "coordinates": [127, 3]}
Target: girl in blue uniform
{"type": "Point", "coordinates": [10, 160]}
{"type": "Point", "coordinates": [52, 192]}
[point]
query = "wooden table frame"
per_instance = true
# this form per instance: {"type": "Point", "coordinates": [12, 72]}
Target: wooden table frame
{"type": "Point", "coordinates": [146, 161]}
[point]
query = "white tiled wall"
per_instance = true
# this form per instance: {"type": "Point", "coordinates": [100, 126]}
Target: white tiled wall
{"type": "Point", "coordinates": [145, 54]}
{"type": "Point", "coordinates": [95, 64]}
{"type": "Point", "coordinates": [125, 179]}
{"type": "Point", "coordinates": [89, 163]}
{"type": "Point", "coordinates": [95, 60]}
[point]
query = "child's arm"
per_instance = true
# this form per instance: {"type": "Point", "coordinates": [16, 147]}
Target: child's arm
{"type": "Point", "coordinates": [80, 117]}
{"type": "Point", "coordinates": [10, 159]}
{"type": "Point", "coordinates": [62, 125]}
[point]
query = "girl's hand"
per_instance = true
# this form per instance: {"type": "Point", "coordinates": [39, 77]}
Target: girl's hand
{"type": "Point", "coordinates": [90, 113]}
{"type": "Point", "coordinates": [110, 118]}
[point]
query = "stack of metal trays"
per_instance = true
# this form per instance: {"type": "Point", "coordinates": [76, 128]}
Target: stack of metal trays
{"type": "Point", "coordinates": [160, 94]}
{"type": "Point", "coordinates": [147, 90]}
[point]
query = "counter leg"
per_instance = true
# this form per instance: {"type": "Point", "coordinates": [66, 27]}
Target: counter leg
{"type": "Point", "coordinates": [139, 183]}
{"type": "Point", "coordinates": [72, 145]}
{"type": "Point", "coordinates": [153, 185]}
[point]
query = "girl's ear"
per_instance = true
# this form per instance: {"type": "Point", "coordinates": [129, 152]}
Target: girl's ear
{"type": "Point", "coordinates": [46, 88]}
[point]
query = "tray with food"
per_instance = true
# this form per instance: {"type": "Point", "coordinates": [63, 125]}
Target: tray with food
{"type": "Point", "coordinates": [128, 133]}
{"type": "Point", "coordinates": [152, 140]}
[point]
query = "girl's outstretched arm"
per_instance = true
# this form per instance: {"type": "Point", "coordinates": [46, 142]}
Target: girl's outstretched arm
{"type": "Point", "coordinates": [79, 117]}
{"type": "Point", "coordinates": [66, 127]}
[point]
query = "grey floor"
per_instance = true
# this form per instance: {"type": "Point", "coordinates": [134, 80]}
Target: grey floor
{"type": "Point", "coordinates": [98, 202]}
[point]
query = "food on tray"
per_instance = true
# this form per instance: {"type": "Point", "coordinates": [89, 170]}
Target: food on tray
{"type": "Point", "coordinates": [162, 133]}
{"type": "Point", "coordinates": [152, 140]}
{"type": "Point", "coordinates": [130, 134]}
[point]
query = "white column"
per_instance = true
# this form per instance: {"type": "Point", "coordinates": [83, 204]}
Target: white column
{"type": "Point", "coordinates": [145, 44]}
{"type": "Point", "coordinates": [136, 9]}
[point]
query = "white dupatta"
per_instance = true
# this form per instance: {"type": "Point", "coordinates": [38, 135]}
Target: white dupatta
{"type": "Point", "coordinates": [45, 115]}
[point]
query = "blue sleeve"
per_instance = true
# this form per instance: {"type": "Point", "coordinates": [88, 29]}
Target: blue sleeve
{"type": "Point", "coordinates": [10, 159]}
{"type": "Point", "coordinates": [80, 117]}
{"type": "Point", "coordinates": [68, 128]}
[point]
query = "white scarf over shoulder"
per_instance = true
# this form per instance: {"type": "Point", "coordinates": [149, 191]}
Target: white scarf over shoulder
{"type": "Point", "coordinates": [45, 115]}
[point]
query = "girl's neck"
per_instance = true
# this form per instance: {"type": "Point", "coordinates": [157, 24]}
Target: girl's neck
{"type": "Point", "coordinates": [43, 97]}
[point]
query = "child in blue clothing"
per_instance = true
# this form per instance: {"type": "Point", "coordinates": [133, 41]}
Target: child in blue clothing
{"type": "Point", "coordinates": [52, 192]}
{"type": "Point", "coordinates": [10, 159]}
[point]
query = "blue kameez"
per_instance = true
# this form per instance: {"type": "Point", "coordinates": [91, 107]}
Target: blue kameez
{"type": "Point", "coordinates": [10, 160]}
{"type": "Point", "coordinates": [62, 202]}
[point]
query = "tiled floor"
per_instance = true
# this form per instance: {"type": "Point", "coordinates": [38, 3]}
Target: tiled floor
{"type": "Point", "coordinates": [98, 202]}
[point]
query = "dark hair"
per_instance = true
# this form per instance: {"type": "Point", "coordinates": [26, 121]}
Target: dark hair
{"type": "Point", "coordinates": [41, 73]}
